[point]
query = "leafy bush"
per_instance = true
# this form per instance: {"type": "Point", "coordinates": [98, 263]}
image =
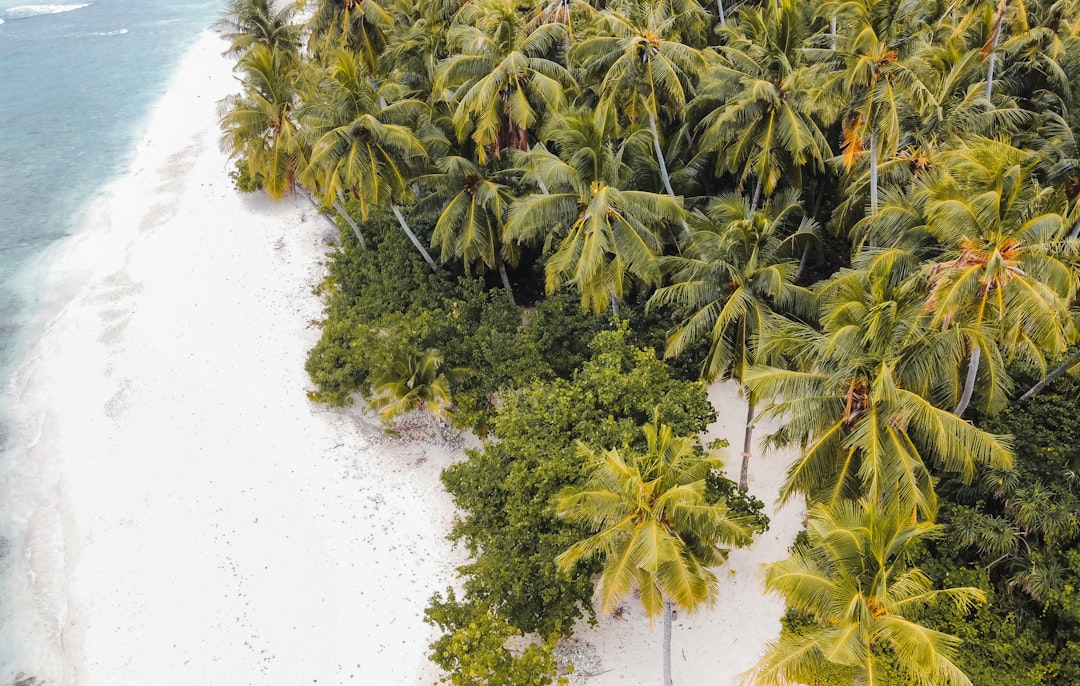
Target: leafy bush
{"type": "Point", "coordinates": [1015, 535]}
{"type": "Point", "coordinates": [245, 181]}
{"type": "Point", "coordinates": [479, 648]}
{"type": "Point", "coordinates": [506, 489]}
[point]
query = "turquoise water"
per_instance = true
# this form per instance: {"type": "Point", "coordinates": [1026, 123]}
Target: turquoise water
{"type": "Point", "coordinates": [77, 84]}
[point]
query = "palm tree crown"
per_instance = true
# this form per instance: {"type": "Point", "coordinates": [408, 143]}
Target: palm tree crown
{"type": "Point", "coordinates": [863, 600]}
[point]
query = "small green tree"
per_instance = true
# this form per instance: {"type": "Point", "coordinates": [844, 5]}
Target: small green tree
{"type": "Point", "coordinates": [654, 529]}
{"type": "Point", "coordinates": [480, 648]}
{"type": "Point", "coordinates": [417, 381]}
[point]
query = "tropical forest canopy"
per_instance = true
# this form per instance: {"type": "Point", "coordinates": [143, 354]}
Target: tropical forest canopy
{"type": "Point", "coordinates": [556, 218]}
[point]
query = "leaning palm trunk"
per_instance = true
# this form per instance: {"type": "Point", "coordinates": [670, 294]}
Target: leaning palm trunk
{"type": "Point", "coordinates": [667, 643]}
{"type": "Point", "coordinates": [328, 218]}
{"type": "Point", "coordinates": [802, 262]}
{"type": "Point", "coordinates": [873, 176]}
{"type": "Point", "coordinates": [969, 382]}
{"type": "Point", "coordinates": [1051, 377]}
{"type": "Point", "coordinates": [349, 220]}
{"type": "Point", "coordinates": [993, 54]}
{"type": "Point", "coordinates": [720, 11]}
{"type": "Point", "coordinates": [506, 280]}
{"type": "Point", "coordinates": [413, 238]}
{"type": "Point", "coordinates": [747, 439]}
{"type": "Point", "coordinates": [1075, 233]}
{"type": "Point", "coordinates": [660, 155]}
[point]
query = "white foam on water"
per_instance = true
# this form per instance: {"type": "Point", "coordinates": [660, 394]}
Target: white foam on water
{"type": "Point", "coordinates": [117, 32]}
{"type": "Point", "coordinates": [25, 11]}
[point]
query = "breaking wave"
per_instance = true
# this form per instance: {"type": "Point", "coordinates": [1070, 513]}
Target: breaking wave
{"type": "Point", "coordinates": [25, 11]}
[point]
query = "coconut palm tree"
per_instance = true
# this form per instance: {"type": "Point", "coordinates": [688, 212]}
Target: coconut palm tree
{"type": "Point", "coordinates": [1002, 263]}
{"type": "Point", "coordinates": [867, 78]}
{"type": "Point", "coordinates": [471, 202]}
{"type": "Point", "coordinates": [247, 23]}
{"type": "Point", "coordinates": [859, 401]}
{"type": "Point", "coordinates": [598, 232]}
{"type": "Point", "coordinates": [863, 600]}
{"type": "Point", "coordinates": [640, 70]}
{"type": "Point", "coordinates": [759, 124]}
{"type": "Point", "coordinates": [731, 274]}
{"type": "Point", "coordinates": [361, 26]}
{"type": "Point", "coordinates": [416, 381]}
{"type": "Point", "coordinates": [360, 146]}
{"type": "Point", "coordinates": [500, 78]}
{"type": "Point", "coordinates": [653, 528]}
{"type": "Point", "coordinates": [259, 125]}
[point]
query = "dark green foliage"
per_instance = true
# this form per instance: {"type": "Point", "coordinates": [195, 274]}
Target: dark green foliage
{"type": "Point", "coordinates": [506, 489]}
{"type": "Point", "coordinates": [561, 330]}
{"type": "Point", "coordinates": [740, 501]}
{"type": "Point", "coordinates": [384, 303]}
{"type": "Point", "coordinates": [1015, 535]}
{"type": "Point", "coordinates": [482, 332]}
{"type": "Point", "coordinates": [478, 648]}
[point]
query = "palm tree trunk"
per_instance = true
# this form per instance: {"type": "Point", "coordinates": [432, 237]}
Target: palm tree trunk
{"type": "Point", "coordinates": [747, 441]}
{"type": "Point", "coordinates": [413, 238]}
{"type": "Point", "coordinates": [437, 426]}
{"type": "Point", "coordinates": [328, 218]}
{"type": "Point", "coordinates": [802, 262]}
{"type": "Point", "coordinates": [1075, 233]}
{"type": "Point", "coordinates": [660, 155]}
{"type": "Point", "coordinates": [349, 220]}
{"type": "Point", "coordinates": [873, 176]}
{"type": "Point", "coordinates": [506, 280]}
{"type": "Point", "coordinates": [667, 643]}
{"type": "Point", "coordinates": [1051, 377]}
{"type": "Point", "coordinates": [720, 11]}
{"type": "Point", "coordinates": [993, 55]}
{"type": "Point", "coordinates": [754, 199]}
{"type": "Point", "coordinates": [969, 382]}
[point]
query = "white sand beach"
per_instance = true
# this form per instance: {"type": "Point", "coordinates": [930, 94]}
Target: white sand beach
{"type": "Point", "coordinates": [194, 519]}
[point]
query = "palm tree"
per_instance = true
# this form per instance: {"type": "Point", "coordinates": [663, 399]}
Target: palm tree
{"type": "Point", "coordinates": [654, 529]}
{"type": "Point", "coordinates": [500, 78]}
{"type": "Point", "coordinates": [471, 202]}
{"type": "Point", "coordinates": [1002, 263]}
{"type": "Point", "coordinates": [259, 125]}
{"type": "Point", "coordinates": [361, 26]}
{"type": "Point", "coordinates": [759, 123]}
{"type": "Point", "coordinates": [867, 77]}
{"type": "Point", "coordinates": [416, 381]}
{"type": "Point", "coordinates": [360, 146]}
{"type": "Point", "coordinates": [863, 601]}
{"type": "Point", "coordinates": [731, 274]}
{"type": "Point", "coordinates": [859, 403]}
{"type": "Point", "coordinates": [640, 69]}
{"type": "Point", "coordinates": [247, 23]}
{"type": "Point", "coordinates": [598, 233]}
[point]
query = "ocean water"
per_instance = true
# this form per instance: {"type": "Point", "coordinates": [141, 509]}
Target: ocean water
{"type": "Point", "coordinates": [77, 83]}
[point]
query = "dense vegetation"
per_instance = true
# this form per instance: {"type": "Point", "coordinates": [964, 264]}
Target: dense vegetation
{"type": "Point", "coordinates": [863, 212]}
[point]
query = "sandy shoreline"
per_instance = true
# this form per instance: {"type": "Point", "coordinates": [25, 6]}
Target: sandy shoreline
{"type": "Point", "coordinates": [194, 519]}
